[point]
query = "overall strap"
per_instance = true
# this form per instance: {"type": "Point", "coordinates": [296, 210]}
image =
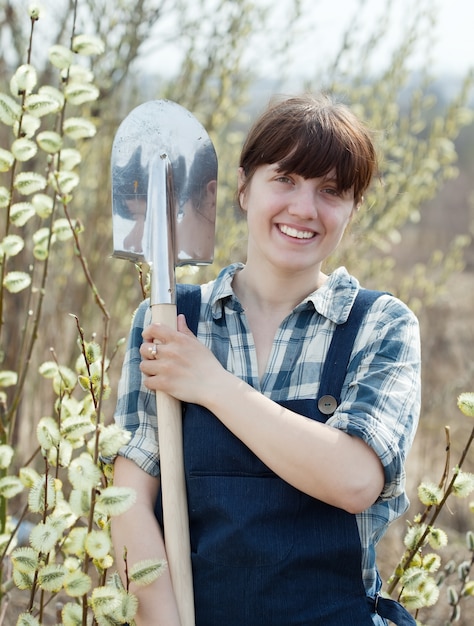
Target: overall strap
{"type": "Point", "coordinates": [188, 301]}
{"type": "Point", "coordinates": [391, 610]}
{"type": "Point", "coordinates": [337, 359]}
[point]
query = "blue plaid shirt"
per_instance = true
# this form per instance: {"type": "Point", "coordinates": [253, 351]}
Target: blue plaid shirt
{"type": "Point", "coordinates": [380, 398]}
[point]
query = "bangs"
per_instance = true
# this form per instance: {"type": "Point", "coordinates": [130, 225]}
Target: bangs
{"type": "Point", "coordinates": [317, 159]}
{"type": "Point", "coordinates": [317, 152]}
{"type": "Point", "coordinates": [313, 138]}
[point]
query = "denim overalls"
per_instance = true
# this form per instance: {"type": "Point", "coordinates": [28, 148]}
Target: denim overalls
{"type": "Point", "coordinates": [264, 553]}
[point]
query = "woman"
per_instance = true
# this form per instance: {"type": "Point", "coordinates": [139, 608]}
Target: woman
{"type": "Point", "coordinates": [287, 500]}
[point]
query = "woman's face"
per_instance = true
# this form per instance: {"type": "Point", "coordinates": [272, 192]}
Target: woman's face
{"type": "Point", "coordinates": [294, 223]}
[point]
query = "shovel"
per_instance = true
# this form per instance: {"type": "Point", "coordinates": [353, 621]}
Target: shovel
{"type": "Point", "coordinates": [164, 178]}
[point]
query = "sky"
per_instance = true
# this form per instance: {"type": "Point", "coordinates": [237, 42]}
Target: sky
{"type": "Point", "coordinates": [321, 30]}
{"type": "Point", "coordinates": [453, 42]}
{"type": "Point", "coordinates": [325, 21]}
{"type": "Point", "coordinates": [455, 48]}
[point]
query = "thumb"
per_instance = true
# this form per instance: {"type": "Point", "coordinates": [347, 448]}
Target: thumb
{"type": "Point", "coordinates": [182, 326]}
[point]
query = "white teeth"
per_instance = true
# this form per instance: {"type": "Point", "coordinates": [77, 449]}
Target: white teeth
{"type": "Point", "coordinates": [298, 234]}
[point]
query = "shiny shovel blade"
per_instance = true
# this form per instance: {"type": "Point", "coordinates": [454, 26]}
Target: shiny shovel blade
{"type": "Point", "coordinates": [162, 136]}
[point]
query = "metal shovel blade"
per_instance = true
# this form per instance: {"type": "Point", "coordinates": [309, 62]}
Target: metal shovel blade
{"type": "Point", "coordinates": [164, 179]}
{"type": "Point", "coordinates": [161, 155]}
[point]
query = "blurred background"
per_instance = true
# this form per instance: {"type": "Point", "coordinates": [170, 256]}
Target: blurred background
{"type": "Point", "coordinates": [406, 67]}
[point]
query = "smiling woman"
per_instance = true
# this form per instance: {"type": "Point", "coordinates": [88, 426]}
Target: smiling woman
{"type": "Point", "coordinates": [300, 397]}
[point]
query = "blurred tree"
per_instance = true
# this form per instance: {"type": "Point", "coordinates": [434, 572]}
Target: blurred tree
{"type": "Point", "coordinates": [205, 55]}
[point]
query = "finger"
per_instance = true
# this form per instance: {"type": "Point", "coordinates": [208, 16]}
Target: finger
{"type": "Point", "coordinates": [153, 351]}
{"type": "Point", "coordinates": [182, 326]}
{"type": "Point", "coordinates": [149, 350]}
{"type": "Point", "coordinates": [158, 332]}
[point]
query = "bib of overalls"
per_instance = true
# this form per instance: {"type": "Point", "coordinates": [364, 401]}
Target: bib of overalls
{"type": "Point", "coordinates": [264, 553]}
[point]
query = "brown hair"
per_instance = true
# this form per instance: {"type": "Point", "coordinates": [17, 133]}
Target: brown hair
{"type": "Point", "coordinates": [311, 136]}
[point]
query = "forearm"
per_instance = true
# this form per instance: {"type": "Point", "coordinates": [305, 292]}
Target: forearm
{"type": "Point", "coordinates": [317, 459]}
{"type": "Point", "coordinates": [137, 534]}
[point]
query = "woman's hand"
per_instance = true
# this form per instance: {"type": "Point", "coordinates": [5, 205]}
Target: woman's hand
{"type": "Point", "coordinates": [177, 363]}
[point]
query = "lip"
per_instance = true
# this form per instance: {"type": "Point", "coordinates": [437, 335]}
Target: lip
{"type": "Point", "coordinates": [296, 233]}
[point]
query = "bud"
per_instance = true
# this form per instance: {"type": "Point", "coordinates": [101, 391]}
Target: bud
{"type": "Point", "coordinates": [78, 93]}
{"type": "Point", "coordinates": [21, 213]}
{"type": "Point", "coordinates": [97, 544]}
{"type": "Point", "coordinates": [64, 183]}
{"type": "Point", "coordinates": [413, 536]}
{"type": "Point", "coordinates": [23, 80]}
{"type": "Point", "coordinates": [48, 369]}
{"type": "Point", "coordinates": [10, 111]}
{"type": "Point", "coordinates": [83, 473]}
{"type": "Point", "coordinates": [24, 149]}
{"type": "Point", "coordinates": [51, 577]}
{"type": "Point", "coordinates": [28, 476]}
{"type": "Point", "coordinates": [49, 141]}
{"type": "Point", "coordinates": [430, 494]}
{"type": "Point", "coordinates": [466, 403]}
{"type": "Point", "coordinates": [29, 126]}
{"type": "Point", "coordinates": [437, 538]}
{"type": "Point", "coordinates": [79, 128]}
{"type": "Point", "coordinates": [468, 588]}
{"type": "Point", "coordinates": [41, 236]}
{"type": "Point", "coordinates": [453, 597]}
{"type": "Point", "coordinates": [112, 438]}
{"type": "Point", "coordinates": [43, 205]}
{"type": "Point", "coordinates": [40, 104]}
{"type": "Point", "coordinates": [88, 45]}
{"type": "Point", "coordinates": [52, 93]}
{"type": "Point", "coordinates": [28, 183]}
{"type": "Point", "coordinates": [10, 486]}
{"type": "Point", "coordinates": [6, 160]}
{"type": "Point", "coordinates": [12, 245]}
{"type": "Point", "coordinates": [463, 570]}
{"type": "Point", "coordinates": [47, 432]}
{"type": "Point", "coordinates": [60, 56]}
{"type": "Point", "coordinates": [71, 614]}
{"type": "Point", "coordinates": [4, 197]}
{"type": "Point", "coordinates": [25, 559]}
{"type": "Point", "coordinates": [463, 484]}
{"type": "Point", "coordinates": [145, 572]}
{"type": "Point", "coordinates": [43, 537]}
{"type": "Point", "coordinates": [78, 74]}
{"type": "Point", "coordinates": [62, 229]}
{"type": "Point", "coordinates": [14, 282]}
{"type": "Point", "coordinates": [6, 456]}
{"type": "Point", "coordinates": [8, 378]}
{"type": "Point", "coordinates": [69, 159]}
{"type": "Point", "coordinates": [34, 11]}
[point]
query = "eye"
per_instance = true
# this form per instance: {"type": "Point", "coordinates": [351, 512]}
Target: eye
{"type": "Point", "coordinates": [283, 179]}
{"type": "Point", "coordinates": [332, 191]}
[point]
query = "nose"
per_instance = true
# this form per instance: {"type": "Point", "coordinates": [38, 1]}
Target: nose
{"type": "Point", "coordinates": [304, 202]}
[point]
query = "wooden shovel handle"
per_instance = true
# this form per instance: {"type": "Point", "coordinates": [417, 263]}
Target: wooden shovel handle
{"type": "Point", "coordinates": [173, 488]}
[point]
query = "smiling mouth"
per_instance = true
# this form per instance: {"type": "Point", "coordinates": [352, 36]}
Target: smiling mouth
{"type": "Point", "coordinates": [296, 234]}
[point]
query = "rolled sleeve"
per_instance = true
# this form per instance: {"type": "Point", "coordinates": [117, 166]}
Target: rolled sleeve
{"type": "Point", "coordinates": [136, 405]}
{"type": "Point", "coordinates": [380, 401]}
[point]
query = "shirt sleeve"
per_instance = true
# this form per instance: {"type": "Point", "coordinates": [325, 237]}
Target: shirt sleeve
{"type": "Point", "coordinates": [380, 399]}
{"type": "Point", "coordinates": [136, 405]}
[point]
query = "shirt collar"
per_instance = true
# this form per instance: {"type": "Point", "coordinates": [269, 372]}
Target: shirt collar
{"type": "Point", "coordinates": [222, 289]}
{"type": "Point", "coordinates": [333, 300]}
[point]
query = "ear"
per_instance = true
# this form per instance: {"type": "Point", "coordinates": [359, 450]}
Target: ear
{"type": "Point", "coordinates": [211, 188]}
{"type": "Point", "coordinates": [241, 178]}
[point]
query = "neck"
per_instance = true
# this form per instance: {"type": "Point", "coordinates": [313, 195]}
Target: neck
{"type": "Point", "coordinates": [273, 291]}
